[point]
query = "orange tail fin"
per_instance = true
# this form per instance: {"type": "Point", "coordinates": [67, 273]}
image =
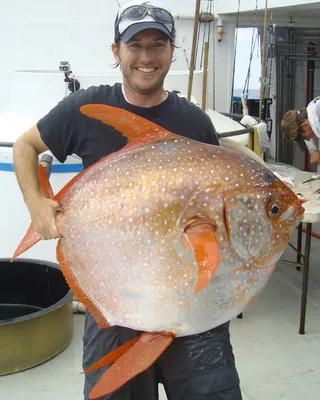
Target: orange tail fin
{"type": "Point", "coordinates": [137, 359]}
{"type": "Point", "coordinates": [31, 237]}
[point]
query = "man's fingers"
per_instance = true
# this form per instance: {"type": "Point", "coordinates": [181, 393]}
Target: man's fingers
{"type": "Point", "coordinates": [52, 234]}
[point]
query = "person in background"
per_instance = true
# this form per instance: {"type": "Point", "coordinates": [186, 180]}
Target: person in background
{"type": "Point", "coordinates": [194, 367]}
{"type": "Point", "coordinates": [303, 127]}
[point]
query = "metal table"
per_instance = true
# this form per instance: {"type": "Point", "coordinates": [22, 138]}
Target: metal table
{"type": "Point", "coordinates": [312, 215]}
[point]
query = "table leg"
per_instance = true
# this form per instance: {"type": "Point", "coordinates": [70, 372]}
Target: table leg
{"type": "Point", "coordinates": [299, 246]}
{"type": "Point", "coordinates": [305, 279]}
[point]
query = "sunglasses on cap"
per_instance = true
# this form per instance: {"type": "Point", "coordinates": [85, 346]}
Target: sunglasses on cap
{"type": "Point", "coordinates": [139, 12]}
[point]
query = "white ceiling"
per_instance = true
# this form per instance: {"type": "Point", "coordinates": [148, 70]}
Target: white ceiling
{"type": "Point", "coordinates": [302, 15]}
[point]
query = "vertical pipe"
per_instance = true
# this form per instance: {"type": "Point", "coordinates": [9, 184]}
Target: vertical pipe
{"type": "Point", "coordinates": [299, 246]}
{"type": "Point", "coordinates": [205, 76]}
{"type": "Point", "coordinates": [308, 87]}
{"type": "Point", "coordinates": [263, 57]}
{"type": "Point", "coordinates": [278, 105]}
{"type": "Point", "coordinates": [312, 71]}
{"type": "Point", "coordinates": [193, 51]}
{"type": "Point", "coordinates": [305, 280]}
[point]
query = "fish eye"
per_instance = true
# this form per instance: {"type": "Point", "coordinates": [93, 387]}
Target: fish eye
{"type": "Point", "coordinates": [274, 209]}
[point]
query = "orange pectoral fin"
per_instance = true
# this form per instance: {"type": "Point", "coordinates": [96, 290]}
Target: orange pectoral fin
{"type": "Point", "coordinates": [201, 237]}
{"type": "Point", "coordinates": [136, 129]}
{"type": "Point", "coordinates": [137, 359]}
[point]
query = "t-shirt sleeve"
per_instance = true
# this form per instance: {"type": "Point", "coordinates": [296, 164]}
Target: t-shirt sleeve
{"type": "Point", "coordinates": [311, 145]}
{"type": "Point", "coordinates": [58, 129]}
{"type": "Point", "coordinates": [210, 134]}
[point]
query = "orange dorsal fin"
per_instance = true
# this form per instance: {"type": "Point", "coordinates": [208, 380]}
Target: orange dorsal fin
{"type": "Point", "coordinates": [200, 234]}
{"type": "Point", "coordinates": [67, 271]}
{"type": "Point", "coordinates": [113, 356]}
{"type": "Point", "coordinates": [31, 237]}
{"type": "Point", "coordinates": [136, 129]}
{"type": "Point", "coordinates": [137, 359]}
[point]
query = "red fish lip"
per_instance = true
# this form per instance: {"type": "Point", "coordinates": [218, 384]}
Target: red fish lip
{"type": "Point", "coordinates": [298, 215]}
{"type": "Point", "coordinates": [197, 221]}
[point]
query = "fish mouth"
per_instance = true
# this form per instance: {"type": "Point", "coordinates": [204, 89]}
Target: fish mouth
{"type": "Point", "coordinates": [301, 212]}
{"type": "Point", "coordinates": [198, 221]}
{"type": "Point", "coordinates": [296, 217]}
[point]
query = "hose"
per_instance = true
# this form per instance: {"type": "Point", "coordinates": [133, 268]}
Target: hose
{"type": "Point", "coordinates": [314, 234]}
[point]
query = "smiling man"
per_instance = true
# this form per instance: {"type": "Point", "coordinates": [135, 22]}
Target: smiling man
{"type": "Point", "coordinates": [194, 367]}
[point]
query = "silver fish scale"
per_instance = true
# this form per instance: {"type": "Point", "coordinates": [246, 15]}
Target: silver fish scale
{"type": "Point", "coordinates": [123, 226]}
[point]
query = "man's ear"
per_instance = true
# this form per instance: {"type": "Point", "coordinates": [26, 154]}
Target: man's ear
{"type": "Point", "coordinates": [172, 49]}
{"type": "Point", "coordinates": [115, 50]}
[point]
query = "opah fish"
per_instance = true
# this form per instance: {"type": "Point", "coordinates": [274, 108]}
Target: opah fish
{"type": "Point", "coordinates": [168, 236]}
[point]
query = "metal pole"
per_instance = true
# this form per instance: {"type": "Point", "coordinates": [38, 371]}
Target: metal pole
{"type": "Point", "coordinates": [235, 133]}
{"type": "Point", "coordinates": [305, 280]}
{"type": "Point", "coordinates": [263, 57]}
{"type": "Point", "coordinates": [6, 144]}
{"type": "Point", "coordinates": [299, 244]}
{"type": "Point", "coordinates": [278, 106]}
{"type": "Point", "coordinates": [193, 51]}
{"type": "Point", "coordinates": [205, 76]}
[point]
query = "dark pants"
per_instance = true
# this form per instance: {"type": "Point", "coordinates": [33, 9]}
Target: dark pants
{"type": "Point", "coordinates": [197, 367]}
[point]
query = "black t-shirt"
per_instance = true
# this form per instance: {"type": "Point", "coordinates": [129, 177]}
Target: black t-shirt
{"type": "Point", "coordinates": [65, 130]}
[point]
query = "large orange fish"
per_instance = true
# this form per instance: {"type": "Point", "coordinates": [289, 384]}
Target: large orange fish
{"type": "Point", "coordinates": [168, 236]}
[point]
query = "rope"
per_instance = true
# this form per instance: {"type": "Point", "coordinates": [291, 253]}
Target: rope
{"type": "Point", "coordinates": [263, 57]}
{"type": "Point", "coordinates": [204, 38]}
{"type": "Point", "coordinates": [272, 31]}
{"type": "Point", "coordinates": [253, 44]}
{"type": "Point", "coordinates": [235, 56]}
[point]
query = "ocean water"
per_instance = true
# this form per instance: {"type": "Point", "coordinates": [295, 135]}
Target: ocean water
{"type": "Point", "coordinates": [252, 93]}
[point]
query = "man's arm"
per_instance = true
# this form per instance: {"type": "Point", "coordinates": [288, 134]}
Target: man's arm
{"type": "Point", "coordinates": [210, 134]}
{"type": "Point", "coordinates": [312, 147]}
{"type": "Point", "coordinates": [315, 157]}
{"type": "Point", "coordinates": [42, 211]}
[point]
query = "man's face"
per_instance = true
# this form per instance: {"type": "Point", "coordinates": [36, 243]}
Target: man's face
{"type": "Point", "coordinates": [306, 131]}
{"type": "Point", "coordinates": [145, 61]}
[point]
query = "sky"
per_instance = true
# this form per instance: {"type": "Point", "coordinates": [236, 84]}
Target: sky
{"type": "Point", "coordinates": [242, 60]}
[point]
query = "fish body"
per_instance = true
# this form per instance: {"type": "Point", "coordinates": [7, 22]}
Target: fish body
{"type": "Point", "coordinates": [170, 234]}
{"type": "Point", "coordinates": [123, 229]}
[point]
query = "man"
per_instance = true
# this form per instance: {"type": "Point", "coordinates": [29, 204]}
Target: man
{"type": "Point", "coordinates": [193, 367]}
{"type": "Point", "coordinates": [303, 127]}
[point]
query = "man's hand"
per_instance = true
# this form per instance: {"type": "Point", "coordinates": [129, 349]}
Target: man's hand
{"type": "Point", "coordinates": [43, 213]}
{"type": "Point", "coordinates": [315, 157]}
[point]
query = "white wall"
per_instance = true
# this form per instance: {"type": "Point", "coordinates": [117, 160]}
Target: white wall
{"type": "Point", "coordinates": [43, 89]}
{"type": "Point", "coordinates": [36, 35]}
